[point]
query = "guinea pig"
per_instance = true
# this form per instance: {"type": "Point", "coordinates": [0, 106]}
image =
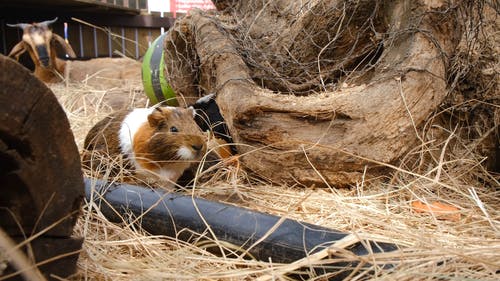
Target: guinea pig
{"type": "Point", "coordinates": [157, 143]}
{"type": "Point", "coordinates": [208, 117]}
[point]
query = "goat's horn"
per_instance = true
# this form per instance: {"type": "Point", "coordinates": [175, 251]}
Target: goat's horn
{"type": "Point", "coordinates": [47, 22]}
{"type": "Point", "coordinates": [20, 25]}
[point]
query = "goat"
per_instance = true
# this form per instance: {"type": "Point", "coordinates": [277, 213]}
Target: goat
{"type": "Point", "coordinates": [39, 41]}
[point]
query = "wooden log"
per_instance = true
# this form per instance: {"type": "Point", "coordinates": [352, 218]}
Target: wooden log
{"type": "Point", "coordinates": [41, 182]}
{"type": "Point", "coordinates": [330, 138]}
{"type": "Point", "coordinates": [56, 256]}
{"type": "Point", "coordinates": [41, 178]}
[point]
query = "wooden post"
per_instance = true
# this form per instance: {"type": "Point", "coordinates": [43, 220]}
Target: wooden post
{"type": "Point", "coordinates": [40, 173]}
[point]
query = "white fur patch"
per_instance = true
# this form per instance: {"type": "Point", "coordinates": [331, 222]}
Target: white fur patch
{"type": "Point", "coordinates": [170, 175]}
{"type": "Point", "coordinates": [167, 176]}
{"type": "Point", "coordinates": [164, 106]}
{"type": "Point", "coordinates": [205, 99]}
{"type": "Point", "coordinates": [37, 39]}
{"type": "Point", "coordinates": [193, 110]}
{"type": "Point", "coordinates": [132, 122]}
{"type": "Point", "coordinates": [185, 153]}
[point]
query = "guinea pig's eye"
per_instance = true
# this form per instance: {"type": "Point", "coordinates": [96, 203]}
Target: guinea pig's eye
{"type": "Point", "coordinates": [174, 129]}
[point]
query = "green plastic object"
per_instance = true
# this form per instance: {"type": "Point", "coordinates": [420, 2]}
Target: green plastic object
{"type": "Point", "coordinates": [153, 78]}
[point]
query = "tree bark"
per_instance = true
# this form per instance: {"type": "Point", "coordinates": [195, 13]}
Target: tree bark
{"type": "Point", "coordinates": [40, 173]}
{"type": "Point", "coordinates": [338, 136]}
{"type": "Point", "coordinates": [41, 181]}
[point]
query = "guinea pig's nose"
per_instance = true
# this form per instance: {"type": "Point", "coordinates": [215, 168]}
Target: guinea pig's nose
{"type": "Point", "coordinates": [197, 147]}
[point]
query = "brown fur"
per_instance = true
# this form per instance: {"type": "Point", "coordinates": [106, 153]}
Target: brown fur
{"type": "Point", "coordinates": [221, 148]}
{"type": "Point", "coordinates": [102, 144]}
{"type": "Point", "coordinates": [154, 144]}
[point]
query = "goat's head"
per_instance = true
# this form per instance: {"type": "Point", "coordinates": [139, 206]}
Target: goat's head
{"type": "Point", "coordinates": [37, 39]}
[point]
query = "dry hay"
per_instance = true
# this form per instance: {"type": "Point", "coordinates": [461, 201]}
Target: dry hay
{"type": "Point", "coordinates": [434, 248]}
{"type": "Point", "coordinates": [447, 167]}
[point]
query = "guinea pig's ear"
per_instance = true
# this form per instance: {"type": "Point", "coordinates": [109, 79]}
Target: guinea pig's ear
{"type": "Point", "coordinates": [155, 117]}
{"type": "Point", "coordinates": [191, 111]}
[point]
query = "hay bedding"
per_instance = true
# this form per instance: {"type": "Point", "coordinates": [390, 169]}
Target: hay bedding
{"type": "Point", "coordinates": [447, 166]}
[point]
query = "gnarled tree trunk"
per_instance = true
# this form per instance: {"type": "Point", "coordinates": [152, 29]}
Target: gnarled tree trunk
{"type": "Point", "coordinates": [372, 74]}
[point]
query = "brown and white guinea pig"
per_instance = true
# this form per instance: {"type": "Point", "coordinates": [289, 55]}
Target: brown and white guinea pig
{"type": "Point", "coordinates": [158, 143]}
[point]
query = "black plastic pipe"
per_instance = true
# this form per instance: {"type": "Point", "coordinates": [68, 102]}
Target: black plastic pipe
{"type": "Point", "coordinates": [167, 214]}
